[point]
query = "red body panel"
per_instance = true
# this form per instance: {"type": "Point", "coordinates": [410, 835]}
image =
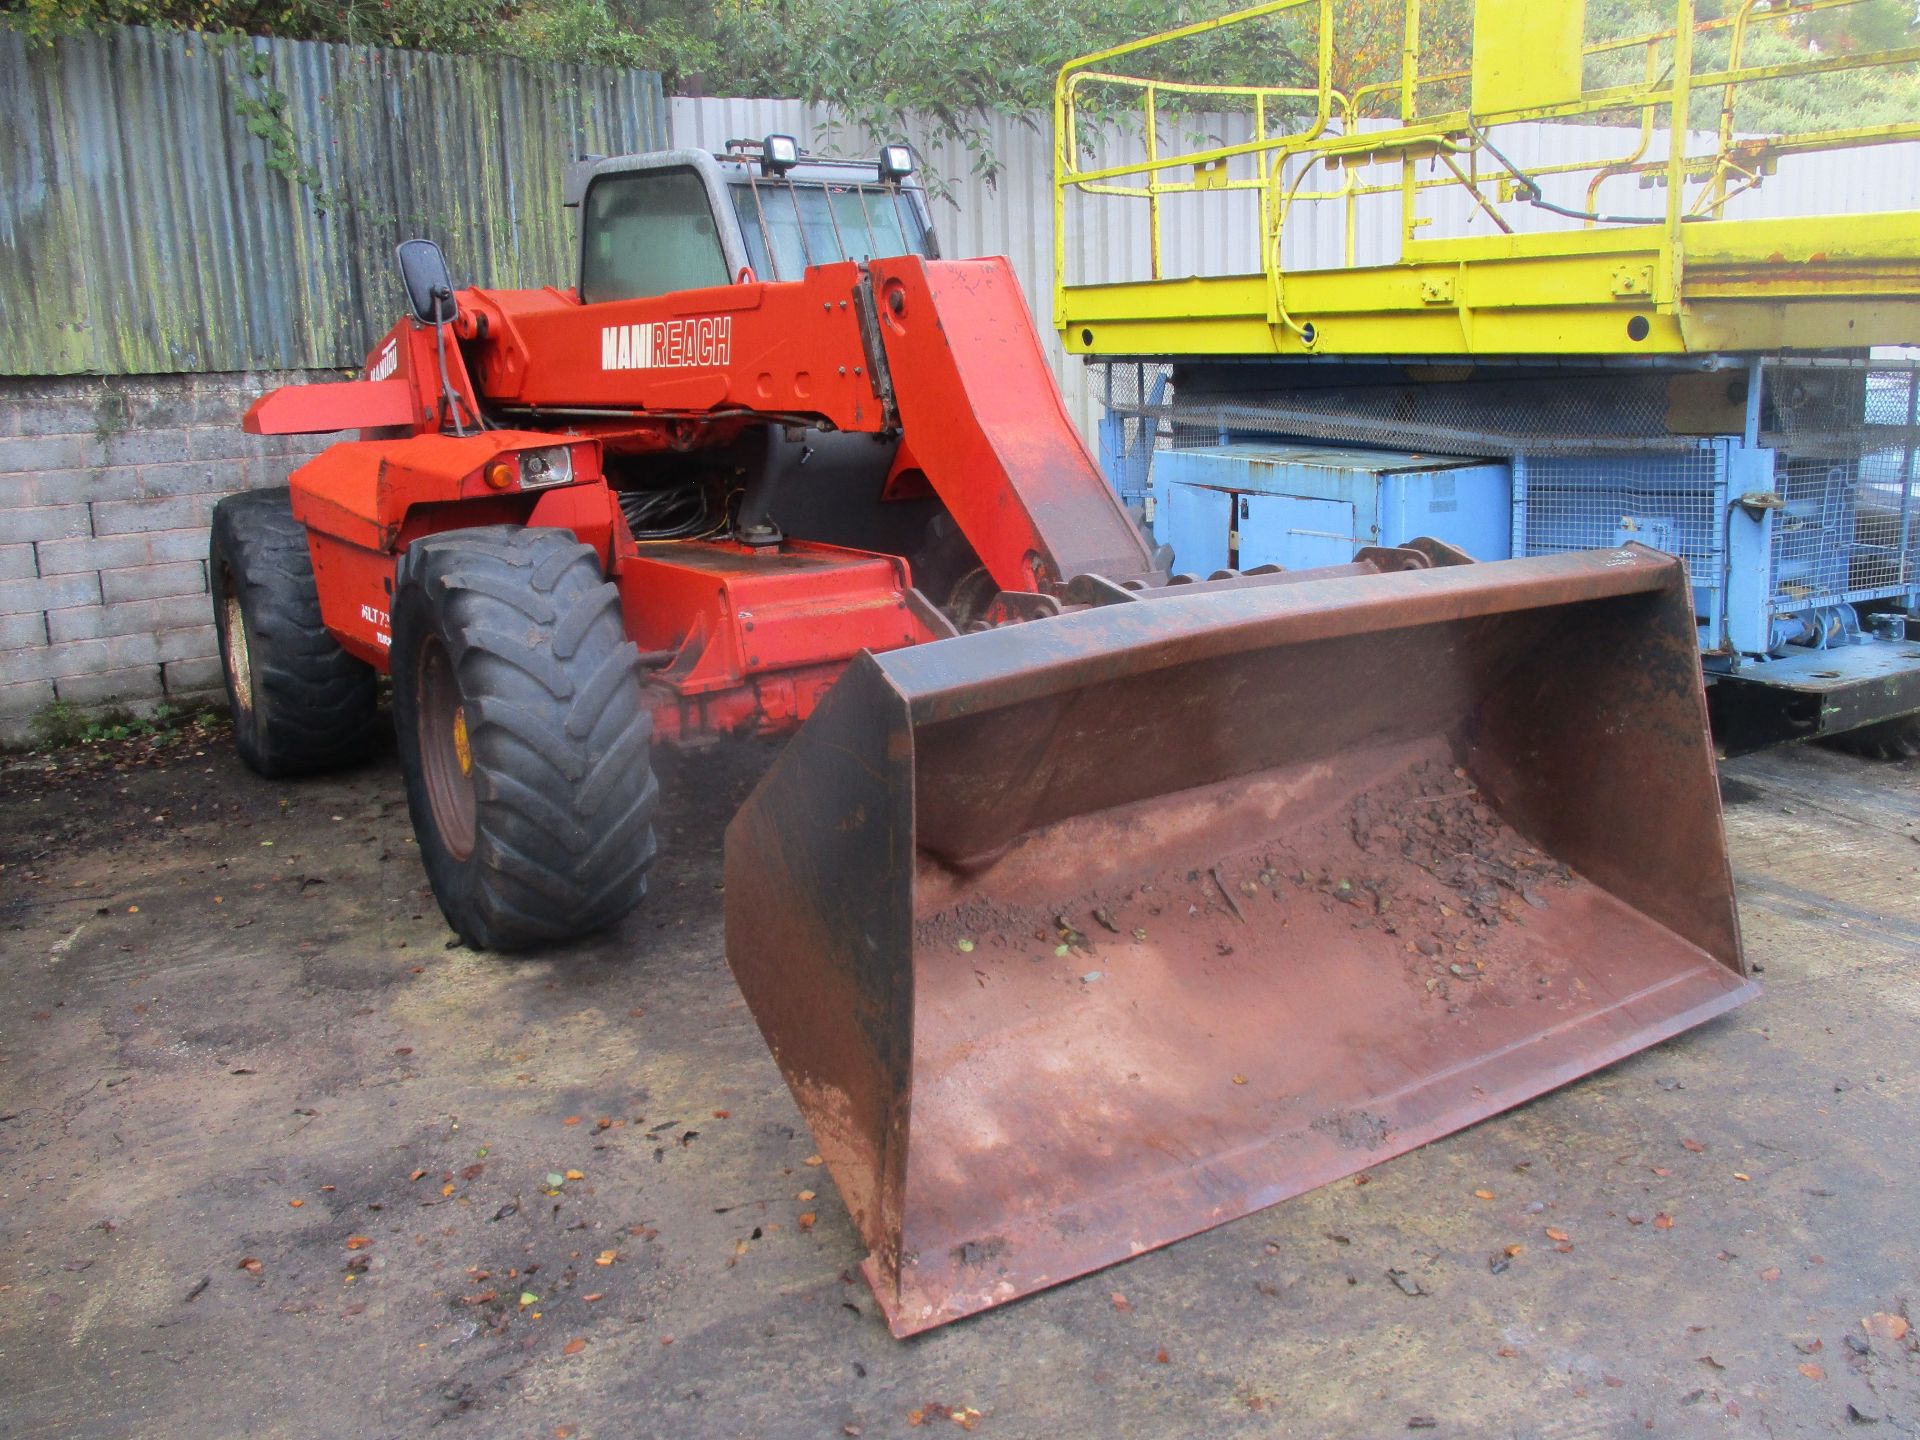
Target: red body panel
{"type": "Point", "coordinates": [739, 637]}
{"type": "Point", "coordinates": [757, 635]}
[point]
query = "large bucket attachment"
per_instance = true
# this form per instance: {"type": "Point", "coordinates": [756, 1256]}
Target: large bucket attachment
{"type": "Point", "coordinates": [1076, 937]}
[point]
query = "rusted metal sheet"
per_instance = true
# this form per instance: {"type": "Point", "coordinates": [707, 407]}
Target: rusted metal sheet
{"type": "Point", "coordinates": [144, 227]}
{"type": "Point", "coordinates": [1076, 937]}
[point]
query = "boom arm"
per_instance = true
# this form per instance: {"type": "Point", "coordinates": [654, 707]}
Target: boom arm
{"type": "Point", "coordinates": [942, 351]}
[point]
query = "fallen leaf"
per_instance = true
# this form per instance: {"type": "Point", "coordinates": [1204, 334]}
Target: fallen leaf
{"type": "Point", "coordinates": [473, 1171]}
{"type": "Point", "coordinates": [1483, 1195]}
{"type": "Point", "coordinates": [1120, 1302]}
{"type": "Point", "coordinates": [722, 1114]}
{"type": "Point", "coordinates": [573, 1346]}
{"type": "Point", "coordinates": [447, 1189]}
{"type": "Point", "coordinates": [358, 1242]}
{"type": "Point", "coordinates": [1811, 1369]}
{"type": "Point", "coordinates": [576, 1175]}
{"type": "Point", "coordinates": [1239, 1079]}
{"type": "Point", "coordinates": [1710, 1362]}
{"type": "Point", "coordinates": [965, 947]}
{"type": "Point", "coordinates": [964, 1416]}
{"type": "Point", "coordinates": [1694, 1145]}
{"type": "Point", "coordinates": [1883, 1326]}
{"type": "Point", "coordinates": [813, 1160]}
{"type": "Point", "coordinates": [571, 1120]}
{"type": "Point", "coordinates": [1553, 1234]}
{"type": "Point", "coordinates": [1663, 1221]}
{"type": "Point", "coordinates": [1160, 1357]}
{"type": "Point", "coordinates": [916, 1417]}
{"type": "Point", "coordinates": [1770, 1274]}
{"type": "Point", "coordinates": [485, 1297]}
{"type": "Point", "coordinates": [804, 1195]}
{"type": "Point", "coordinates": [296, 1204]}
{"type": "Point", "coordinates": [250, 1265]}
{"type": "Point", "coordinates": [1738, 1176]}
{"type": "Point", "coordinates": [1513, 1250]}
{"type": "Point", "coordinates": [416, 1175]}
{"type": "Point", "coordinates": [594, 1298]}
{"type": "Point", "coordinates": [1662, 1171]}
{"type": "Point", "coordinates": [606, 1257]}
{"type": "Point", "coordinates": [527, 1297]}
{"type": "Point", "coordinates": [807, 1217]}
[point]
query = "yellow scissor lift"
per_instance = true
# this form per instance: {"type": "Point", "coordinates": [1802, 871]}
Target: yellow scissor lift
{"type": "Point", "coordinates": [1691, 281]}
{"type": "Point", "coordinates": [1617, 275]}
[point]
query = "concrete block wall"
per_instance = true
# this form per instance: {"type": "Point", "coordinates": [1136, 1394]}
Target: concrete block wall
{"type": "Point", "coordinates": [107, 486]}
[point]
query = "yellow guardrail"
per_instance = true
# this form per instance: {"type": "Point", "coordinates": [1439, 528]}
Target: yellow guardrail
{"type": "Point", "coordinates": [1605, 283]}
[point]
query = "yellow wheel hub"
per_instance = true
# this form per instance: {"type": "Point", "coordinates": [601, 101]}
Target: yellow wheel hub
{"type": "Point", "coordinates": [462, 747]}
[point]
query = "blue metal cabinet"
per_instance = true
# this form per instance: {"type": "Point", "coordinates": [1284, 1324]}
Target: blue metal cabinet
{"type": "Point", "coordinates": [1304, 505]}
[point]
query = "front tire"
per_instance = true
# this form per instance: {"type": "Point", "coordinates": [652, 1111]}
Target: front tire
{"type": "Point", "coordinates": [523, 734]}
{"type": "Point", "coordinates": [300, 703]}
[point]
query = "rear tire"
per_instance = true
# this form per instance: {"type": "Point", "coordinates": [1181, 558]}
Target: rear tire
{"type": "Point", "coordinates": [523, 734]}
{"type": "Point", "coordinates": [1897, 739]}
{"type": "Point", "coordinates": [300, 702]}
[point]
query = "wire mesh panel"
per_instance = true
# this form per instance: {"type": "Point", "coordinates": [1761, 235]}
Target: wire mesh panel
{"type": "Point", "coordinates": [1667, 501]}
{"type": "Point", "coordinates": [1671, 501]}
{"type": "Point", "coordinates": [1845, 437]}
{"type": "Point", "coordinates": [1211, 405]}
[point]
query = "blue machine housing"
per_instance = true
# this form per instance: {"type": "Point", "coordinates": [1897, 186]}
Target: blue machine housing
{"type": "Point", "coordinates": [1301, 505]}
{"type": "Point", "coordinates": [1790, 487]}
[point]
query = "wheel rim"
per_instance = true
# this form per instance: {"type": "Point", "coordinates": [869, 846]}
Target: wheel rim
{"type": "Point", "coordinates": [446, 753]}
{"type": "Point", "coordinates": [238, 657]}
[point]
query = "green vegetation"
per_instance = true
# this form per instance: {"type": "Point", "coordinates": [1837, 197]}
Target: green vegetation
{"type": "Point", "coordinates": [60, 725]}
{"type": "Point", "coordinates": [959, 60]}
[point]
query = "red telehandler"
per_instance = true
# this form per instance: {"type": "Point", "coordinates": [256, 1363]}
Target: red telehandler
{"type": "Point", "coordinates": [1089, 905]}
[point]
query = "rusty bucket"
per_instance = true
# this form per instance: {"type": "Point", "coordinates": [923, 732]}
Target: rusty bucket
{"type": "Point", "coordinates": [1076, 937]}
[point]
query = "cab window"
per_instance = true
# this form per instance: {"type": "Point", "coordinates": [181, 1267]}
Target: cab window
{"type": "Point", "coordinates": [649, 233]}
{"type": "Point", "coordinates": [818, 224]}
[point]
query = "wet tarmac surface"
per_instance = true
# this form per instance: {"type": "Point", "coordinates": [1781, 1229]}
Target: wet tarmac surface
{"type": "Point", "coordinates": [277, 1158]}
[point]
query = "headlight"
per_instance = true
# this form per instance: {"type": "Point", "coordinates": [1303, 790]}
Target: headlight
{"type": "Point", "coordinates": [540, 468]}
{"type": "Point", "coordinates": [530, 469]}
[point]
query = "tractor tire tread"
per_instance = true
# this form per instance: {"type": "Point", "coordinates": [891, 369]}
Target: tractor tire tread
{"type": "Point", "coordinates": [314, 705]}
{"type": "Point", "coordinates": [558, 726]}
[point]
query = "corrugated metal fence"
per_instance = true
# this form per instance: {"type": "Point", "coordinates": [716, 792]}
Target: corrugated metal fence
{"type": "Point", "coordinates": [144, 229]}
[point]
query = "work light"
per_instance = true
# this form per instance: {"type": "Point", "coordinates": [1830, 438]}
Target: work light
{"type": "Point", "coordinates": [779, 154]}
{"type": "Point", "coordinates": [896, 161]}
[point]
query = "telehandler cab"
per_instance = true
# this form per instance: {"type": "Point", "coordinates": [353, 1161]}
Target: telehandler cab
{"type": "Point", "coordinates": [1089, 906]}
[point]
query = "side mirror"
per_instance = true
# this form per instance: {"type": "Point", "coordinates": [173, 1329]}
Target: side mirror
{"type": "Point", "coordinates": [423, 270]}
